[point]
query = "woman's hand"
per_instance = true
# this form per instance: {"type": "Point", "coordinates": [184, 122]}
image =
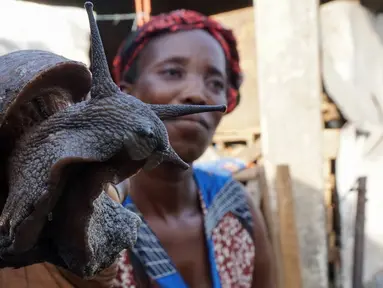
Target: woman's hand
{"type": "Point", "coordinates": [104, 279]}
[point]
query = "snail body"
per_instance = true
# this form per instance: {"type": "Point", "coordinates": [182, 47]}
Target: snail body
{"type": "Point", "coordinates": [58, 149]}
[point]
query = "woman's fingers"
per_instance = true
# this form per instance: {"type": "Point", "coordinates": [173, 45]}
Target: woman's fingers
{"type": "Point", "coordinates": [112, 192]}
{"type": "Point", "coordinates": [104, 279]}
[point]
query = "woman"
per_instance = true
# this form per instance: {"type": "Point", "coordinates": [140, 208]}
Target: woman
{"type": "Point", "coordinates": [199, 229]}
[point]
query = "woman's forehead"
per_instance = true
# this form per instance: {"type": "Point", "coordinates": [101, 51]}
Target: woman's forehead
{"type": "Point", "coordinates": [193, 45]}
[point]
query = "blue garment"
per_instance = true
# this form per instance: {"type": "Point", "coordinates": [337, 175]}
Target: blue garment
{"type": "Point", "coordinates": [226, 165]}
{"type": "Point", "coordinates": [221, 194]}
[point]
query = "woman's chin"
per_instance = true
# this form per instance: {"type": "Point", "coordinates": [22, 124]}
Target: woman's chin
{"type": "Point", "coordinates": [189, 152]}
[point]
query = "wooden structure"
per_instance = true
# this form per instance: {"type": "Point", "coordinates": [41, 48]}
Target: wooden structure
{"type": "Point", "coordinates": [287, 83]}
{"type": "Point", "coordinates": [299, 143]}
{"type": "Point", "coordinates": [284, 240]}
{"type": "Point", "coordinates": [290, 94]}
{"type": "Point", "coordinates": [242, 125]}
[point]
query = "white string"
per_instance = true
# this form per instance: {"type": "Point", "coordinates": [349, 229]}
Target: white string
{"type": "Point", "coordinates": [116, 18]}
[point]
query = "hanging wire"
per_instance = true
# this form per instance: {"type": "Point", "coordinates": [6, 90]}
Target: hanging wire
{"type": "Point", "coordinates": [116, 18]}
{"type": "Point", "coordinates": [134, 26]}
{"type": "Point", "coordinates": [141, 16]}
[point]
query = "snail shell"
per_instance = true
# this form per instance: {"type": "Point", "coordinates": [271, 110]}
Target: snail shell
{"type": "Point", "coordinates": [36, 84]}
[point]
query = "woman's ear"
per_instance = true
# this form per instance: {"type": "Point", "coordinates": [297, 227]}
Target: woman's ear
{"type": "Point", "coordinates": [126, 87]}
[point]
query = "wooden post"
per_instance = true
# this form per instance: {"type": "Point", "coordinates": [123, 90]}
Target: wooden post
{"type": "Point", "coordinates": [289, 90]}
{"type": "Point", "coordinates": [357, 276]}
{"type": "Point", "coordinates": [288, 232]}
{"type": "Point", "coordinates": [272, 229]}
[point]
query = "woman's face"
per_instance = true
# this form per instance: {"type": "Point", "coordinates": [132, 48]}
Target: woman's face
{"type": "Point", "coordinates": [184, 68]}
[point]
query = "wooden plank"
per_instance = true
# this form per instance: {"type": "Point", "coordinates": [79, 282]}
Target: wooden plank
{"type": "Point", "coordinates": [235, 136]}
{"type": "Point", "coordinates": [357, 273]}
{"type": "Point", "coordinates": [331, 143]}
{"type": "Point", "coordinates": [272, 229]}
{"type": "Point", "coordinates": [251, 153]}
{"type": "Point", "coordinates": [246, 174]}
{"type": "Point", "coordinates": [241, 21]}
{"type": "Point", "coordinates": [253, 150]}
{"type": "Point", "coordinates": [245, 131]}
{"type": "Point", "coordinates": [288, 231]}
{"type": "Point", "coordinates": [253, 189]}
{"type": "Point", "coordinates": [328, 194]}
{"type": "Point", "coordinates": [289, 89]}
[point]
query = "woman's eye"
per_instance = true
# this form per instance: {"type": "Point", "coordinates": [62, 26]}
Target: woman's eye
{"type": "Point", "coordinates": [172, 72]}
{"type": "Point", "coordinates": [217, 86]}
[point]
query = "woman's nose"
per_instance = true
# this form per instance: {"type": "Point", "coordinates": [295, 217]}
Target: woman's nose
{"type": "Point", "coordinates": [194, 92]}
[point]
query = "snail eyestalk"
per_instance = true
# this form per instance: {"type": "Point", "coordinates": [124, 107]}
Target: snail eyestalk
{"type": "Point", "coordinates": [171, 111]}
{"type": "Point", "coordinates": [172, 156]}
{"type": "Point", "coordinates": [102, 82]}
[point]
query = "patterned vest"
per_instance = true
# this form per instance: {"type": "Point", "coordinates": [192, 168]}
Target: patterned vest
{"type": "Point", "coordinates": [228, 231]}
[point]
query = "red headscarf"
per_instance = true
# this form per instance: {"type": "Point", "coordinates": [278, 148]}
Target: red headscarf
{"type": "Point", "coordinates": [182, 20]}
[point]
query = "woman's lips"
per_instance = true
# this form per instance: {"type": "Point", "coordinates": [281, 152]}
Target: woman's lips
{"type": "Point", "coordinates": [192, 119]}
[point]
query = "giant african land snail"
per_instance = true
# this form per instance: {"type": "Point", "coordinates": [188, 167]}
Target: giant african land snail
{"type": "Point", "coordinates": [59, 148]}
